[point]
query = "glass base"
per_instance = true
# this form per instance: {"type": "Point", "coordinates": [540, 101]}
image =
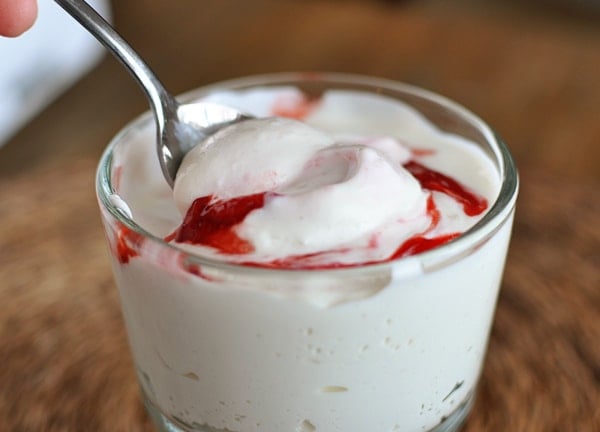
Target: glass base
{"type": "Point", "coordinates": [456, 419]}
{"type": "Point", "coordinates": [451, 423]}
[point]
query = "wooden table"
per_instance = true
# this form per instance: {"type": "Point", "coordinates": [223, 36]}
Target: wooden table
{"type": "Point", "coordinates": [531, 71]}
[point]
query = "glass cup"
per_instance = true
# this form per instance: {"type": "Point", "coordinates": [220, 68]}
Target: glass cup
{"type": "Point", "coordinates": [221, 347]}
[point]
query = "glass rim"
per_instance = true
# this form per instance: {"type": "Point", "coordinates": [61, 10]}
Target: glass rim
{"type": "Point", "coordinates": [433, 259]}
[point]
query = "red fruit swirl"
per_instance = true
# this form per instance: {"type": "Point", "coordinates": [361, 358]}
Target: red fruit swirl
{"type": "Point", "coordinates": [212, 223]}
{"type": "Point", "coordinates": [125, 239]}
{"type": "Point", "coordinates": [473, 204]}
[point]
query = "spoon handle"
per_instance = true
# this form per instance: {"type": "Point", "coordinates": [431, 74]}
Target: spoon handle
{"type": "Point", "coordinates": [163, 104]}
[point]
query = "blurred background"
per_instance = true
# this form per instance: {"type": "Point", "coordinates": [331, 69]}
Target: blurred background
{"type": "Point", "coordinates": [530, 68]}
{"type": "Point", "coordinates": [521, 65]}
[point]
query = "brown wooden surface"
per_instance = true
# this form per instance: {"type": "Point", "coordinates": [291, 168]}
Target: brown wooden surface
{"type": "Point", "coordinates": [531, 71]}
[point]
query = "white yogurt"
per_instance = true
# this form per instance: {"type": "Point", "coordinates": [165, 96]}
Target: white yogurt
{"type": "Point", "coordinates": [387, 348]}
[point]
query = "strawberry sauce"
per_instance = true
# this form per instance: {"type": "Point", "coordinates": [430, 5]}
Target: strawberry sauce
{"type": "Point", "coordinates": [211, 222]}
{"type": "Point", "coordinates": [473, 205]}
{"type": "Point", "coordinates": [126, 243]}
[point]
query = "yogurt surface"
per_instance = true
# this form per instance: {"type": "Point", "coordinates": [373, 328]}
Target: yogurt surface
{"type": "Point", "coordinates": [354, 179]}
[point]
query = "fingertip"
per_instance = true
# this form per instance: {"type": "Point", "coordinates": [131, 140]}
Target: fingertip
{"type": "Point", "coordinates": [17, 16]}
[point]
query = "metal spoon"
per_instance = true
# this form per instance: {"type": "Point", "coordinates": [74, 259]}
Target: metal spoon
{"type": "Point", "coordinates": [179, 126]}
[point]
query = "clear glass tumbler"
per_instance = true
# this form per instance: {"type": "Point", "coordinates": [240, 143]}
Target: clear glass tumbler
{"type": "Point", "coordinates": [220, 347]}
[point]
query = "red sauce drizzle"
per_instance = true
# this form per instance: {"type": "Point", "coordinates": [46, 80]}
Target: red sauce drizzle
{"type": "Point", "coordinates": [419, 243]}
{"type": "Point", "coordinates": [196, 270]}
{"type": "Point", "coordinates": [299, 262]}
{"type": "Point", "coordinates": [473, 204]}
{"type": "Point", "coordinates": [124, 240]}
{"type": "Point", "coordinates": [210, 223]}
{"type": "Point", "coordinates": [294, 106]}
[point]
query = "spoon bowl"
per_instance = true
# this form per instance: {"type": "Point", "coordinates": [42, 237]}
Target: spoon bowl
{"type": "Point", "coordinates": [179, 127]}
